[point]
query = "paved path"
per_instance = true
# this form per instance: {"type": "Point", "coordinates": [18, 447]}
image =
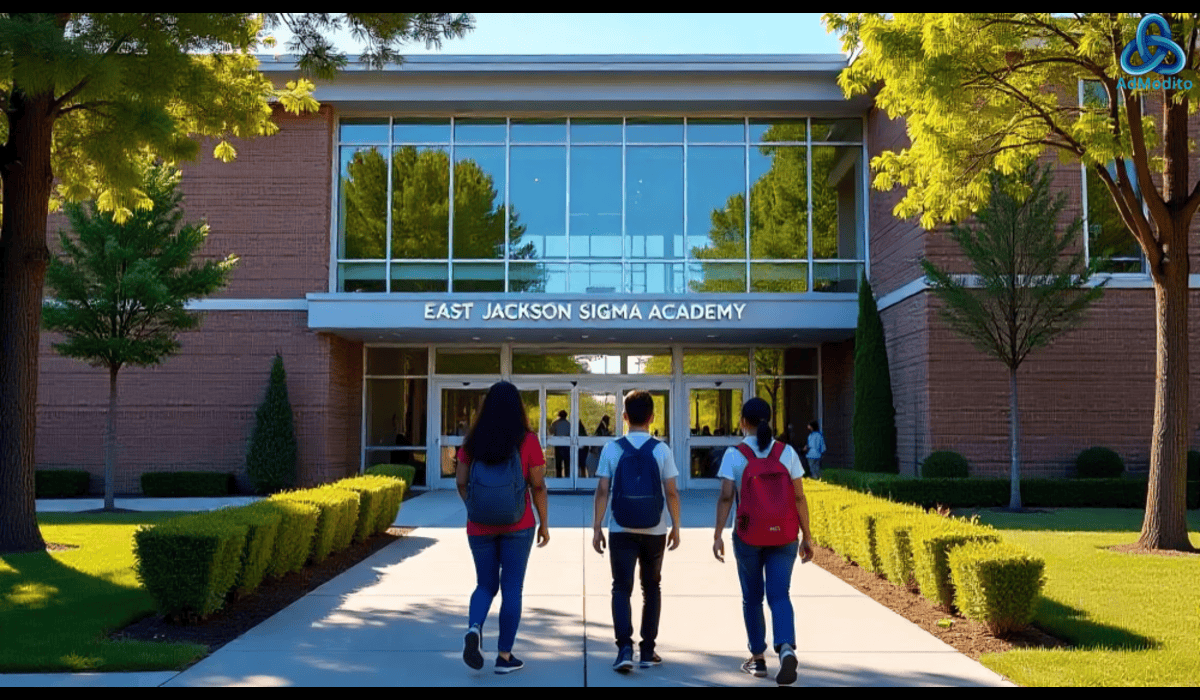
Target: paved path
{"type": "Point", "coordinates": [398, 619]}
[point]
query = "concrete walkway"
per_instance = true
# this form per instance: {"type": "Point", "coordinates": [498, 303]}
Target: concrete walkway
{"type": "Point", "coordinates": [398, 619]}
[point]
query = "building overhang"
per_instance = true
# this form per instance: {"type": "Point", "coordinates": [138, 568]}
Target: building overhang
{"type": "Point", "coordinates": [586, 319]}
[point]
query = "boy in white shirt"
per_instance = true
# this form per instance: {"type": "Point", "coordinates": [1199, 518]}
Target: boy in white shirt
{"type": "Point", "coordinates": [642, 547]}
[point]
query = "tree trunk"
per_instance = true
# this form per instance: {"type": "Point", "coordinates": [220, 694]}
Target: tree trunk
{"type": "Point", "coordinates": [1014, 443]}
{"type": "Point", "coordinates": [28, 179]}
{"type": "Point", "coordinates": [1165, 524]}
{"type": "Point", "coordinates": [110, 441]}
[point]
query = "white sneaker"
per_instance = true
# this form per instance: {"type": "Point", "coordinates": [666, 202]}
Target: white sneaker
{"type": "Point", "coordinates": [787, 665]}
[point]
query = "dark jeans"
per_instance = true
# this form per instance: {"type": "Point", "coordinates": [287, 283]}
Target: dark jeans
{"type": "Point", "coordinates": [626, 550]}
{"type": "Point", "coordinates": [769, 570]}
{"type": "Point", "coordinates": [500, 562]}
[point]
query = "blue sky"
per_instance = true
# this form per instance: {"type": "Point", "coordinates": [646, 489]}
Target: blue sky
{"type": "Point", "coordinates": [639, 34]}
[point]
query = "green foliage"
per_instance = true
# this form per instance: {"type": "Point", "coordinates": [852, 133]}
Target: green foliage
{"type": "Point", "coordinates": [945, 465]}
{"type": "Point", "coordinates": [874, 423]}
{"type": "Point", "coordinates": [189, 564]}
{"type": "Point", "coordinates": [895, 547]}
{"type": "Point", "coordinates": [404, 472]}
{"type": "Point", "coordinates": [294, 542]}
{"type": "Point", "coordinates": [262, 528]}
{"type": "Point", "coordinates": [271, 458]}
{"type": "Point", "coordinates": [932, 538]}
{"type": "Point", "coordinates": [337, 520]}
{"type": "Point", "coordinates": [191, 484]}
{"type": "Point", "coordinates": [61, 483]}
{"type": "Point", "coordinates": [1099, 463]}
{"type": "Point", "coordinates": [996, 584]}
{"type": "Point", "coordinates": [380, 498]}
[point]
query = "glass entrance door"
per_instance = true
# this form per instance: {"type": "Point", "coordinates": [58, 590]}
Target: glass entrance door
{"type": "Point", "coordinates": [458, 404]}
{"type": "Point", "coordinates": [714, 426]}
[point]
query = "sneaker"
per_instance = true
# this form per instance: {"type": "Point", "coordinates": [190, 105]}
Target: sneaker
{"type": "Point", "coordinates": [624, 662]}
{"type": "Point", "coordinates": [787, 666]}
{"type": "Point", "coordinates": [472, 655]}
{"type": "Point", "coordinates": [755, 667]}
{"type": "Point", "coordinates": [508, 666]}
{"type": "Point", "coordinates": [650, 661]}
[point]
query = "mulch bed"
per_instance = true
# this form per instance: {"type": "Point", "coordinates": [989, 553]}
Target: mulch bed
{"type": "Point", "coordinates": [243, 614]}
{"type": "Point", "coordinates": [967, 636]}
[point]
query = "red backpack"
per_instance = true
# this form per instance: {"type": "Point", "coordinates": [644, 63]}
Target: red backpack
{"type": "Point", "coordinates": [766, 513]}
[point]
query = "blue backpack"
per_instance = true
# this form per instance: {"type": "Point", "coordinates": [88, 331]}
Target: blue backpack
{"type": "Point", "coordinates": [496, 492]}
{"type": "Point", "coordinates": [637, 493]}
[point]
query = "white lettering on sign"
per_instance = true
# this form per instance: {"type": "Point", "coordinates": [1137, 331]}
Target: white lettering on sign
{"type": "Point", "coordinates": [449, 312]}
{"type": "Point", "coordinates": [588, 311]}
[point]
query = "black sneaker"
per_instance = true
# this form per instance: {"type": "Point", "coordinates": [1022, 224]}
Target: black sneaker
{"type": "Point", "coordinates": [755, 667]}
{"type": "Point", "coordinates": [472, 655]}
{"type": "Point", "coordinates": [650, 660]}
{"type": "Point", "coordinates": [624, 662]}
{"type": "Point", "coordinates": [508, 666]}
{"type": "Point", "coordinates": [787, 666]}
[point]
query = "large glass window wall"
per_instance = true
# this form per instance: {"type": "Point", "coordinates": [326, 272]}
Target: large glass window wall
{"type": "Point", "coordinates": [600, 205]}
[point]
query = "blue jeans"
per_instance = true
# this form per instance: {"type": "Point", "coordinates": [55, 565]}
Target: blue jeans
{"type": "Point", "coordinates": [500, 562]}
{"type": "Point", "coordinates": [769, 570]}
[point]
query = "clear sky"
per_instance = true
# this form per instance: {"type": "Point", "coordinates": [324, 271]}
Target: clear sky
{"type": "Point", "coordinates": [533, 33]}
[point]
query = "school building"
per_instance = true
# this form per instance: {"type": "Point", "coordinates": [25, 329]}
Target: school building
{"type": "Point", "coordinates": [582, 226]}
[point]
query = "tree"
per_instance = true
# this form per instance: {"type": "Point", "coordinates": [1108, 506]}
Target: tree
{"type": "Point", "coordinates": [88, 99]}
{"type": "Point", "coordinates": [993, 91]}
{"type": "Point", "coordinates": [1030, 288]}
{"type": "Point", "coordinates": [271, 459]}
{"type": "Point", "coordinates": [874, 422]}
{"type": "Point", "coordinates": [119, 289]}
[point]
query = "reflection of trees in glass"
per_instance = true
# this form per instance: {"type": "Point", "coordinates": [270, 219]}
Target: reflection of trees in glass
{"type": "Point", "coordinates": [421, 210]}
{"type": "Point", "coordinates": [1108, 236]}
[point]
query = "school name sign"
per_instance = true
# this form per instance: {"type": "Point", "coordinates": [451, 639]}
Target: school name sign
{"type": "Point", "coordinates": [583, 311]}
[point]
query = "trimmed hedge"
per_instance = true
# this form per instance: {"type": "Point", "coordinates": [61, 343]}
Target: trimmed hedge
{"type": "Point", "coordinates": [1099, 463]}
{"type": "Point", "coordinates": [994, 493]}
{"type": "Point", "coordinates": [297, 529]}
{"type": "Point", "coordinates": [187, 484]}
{"type": "Point", "coordinates": [996, 584]}
{"type": "Point", "coordinates": [931, 539]}
{"type": "Point", "coordinates": [407, 472]}
{"type": "Point", "coordinates": [262, 530]}
{"type": "Point", "coordinates": [945, 465]}
{"type": "Point", "coordinates": [380, 498]}
{"type": "Point", "coordinates": [189, 564]}
{"type": "Point", "coordinates": [338, 519]}
{"type": "Point", "coordinates": [60, 483]}
{"type": "Point", "coordinates": [893, 540]}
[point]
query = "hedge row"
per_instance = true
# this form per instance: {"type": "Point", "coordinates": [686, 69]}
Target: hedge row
{"type": "Point", "coordinates": [191, 564]}
{"type": "Point", "coordinates": [994, 493]}
{"type": "Point", "coordinates": [953, 562]}
{"type": "Point", "coordinates": [60, 483]}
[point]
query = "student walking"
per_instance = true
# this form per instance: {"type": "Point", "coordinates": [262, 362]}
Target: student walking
{"type": "Point", "coordinates": [501, 476]}
{"type": "Point", "coordinates": [816, 449]}
{"type": "Point", "coordinates": [771, 530]}
{"type": "Point", "coordinates": [639, 472]}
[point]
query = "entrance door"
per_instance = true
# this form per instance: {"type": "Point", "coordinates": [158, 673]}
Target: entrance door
{"type": "Point", "coordinates": [714, 426]}
{"type": "Point", "coordinates": [457, 405]}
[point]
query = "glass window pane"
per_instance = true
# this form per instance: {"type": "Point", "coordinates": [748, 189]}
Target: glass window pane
{"type": "Point", "coordinates": [714, 412]}
{"type": "Point", "coordinates": [653, 130]}
{"type": "Point", "coordinates": [793, 404]}
{"type": "Point", "coordinates": [716, 180]}
{"type": "Point", "coordinates": [526, 362]}
{"type": "Point", "coordinates": [716, 131]}
{"type": "Point", "coordinates": [800, 361]}
{"type": "Point", "coordinates": [478, 277]}
{"type": "Point", "coordinates": [716, 362]}
{"type": "Point", "coordinates": [777, 130]}
{"type": "Point", "coordinates": [838, 227]}
{"type": "Point", "coordinates": [779, 277]}
{"type": "Point", "coordinates": [397, 361]}
{"type": "Point", "coordinates": [778, 203]}
{"type": "Point", "coordinates": [479, 203]}
{"type": "Point", "coordinates": [536, 277]}
{"type": "Point", "coordinates": [538, 192]}
{"type": "Point", "coordinates": [362, 223]}
{"type": "Point", "coordinates": [656, 278]}
{"type": "Point", "coordinates": [420, 203]}
{"type": "Point", "coordinates": [471, 362]}
{"type": "Point", "coordinates": [660, 425]}
{"type": "Point", "coordinates": [837, 130]}
{"type": "Point", "coordinates": [421, 131]}
{"type": "Point", "coordinates": [648, 362]}
{"type": "Point", "coordinates": [479, 130]}
{"type": "Point", "coordinates": [1109, 241]}
{"type": "Point", "coordinates": [396, 412]}
{"type": "Point", "coordinates": [836, 277]}
{"type": "Point", "coordinates": [595, 131]}
{"type": "Point", "coordinates": [364, 277]}
{"type": "Point", "coordinates": [654, 202]}
{"type": "Point", "coordinates": [538, 131]}
{"type": "Point", "coordinates": [363, 131]}
{"type": "Point", "coordinates": [595, 278]}
{"type": "Point", "coordinates": [419, 277]}
{"type": "Point", "coordinates": [596, 202]}
{"type": "Point", "coordinates": [717, 277]}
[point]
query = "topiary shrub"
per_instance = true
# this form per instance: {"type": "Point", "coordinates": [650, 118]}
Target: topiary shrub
{"type": "Point", "coordinates": [874, 423]}
{"type": "Point", "coordinates": [189, 564]}
{"type": "Point", "coordinates": [271, 459]}
{"type": "Point", "coordinates": [1099, 463]}
{"type": "Point", "coordinates": [996, 584]}
{"type": "Point", "coordinates": [945, 465]}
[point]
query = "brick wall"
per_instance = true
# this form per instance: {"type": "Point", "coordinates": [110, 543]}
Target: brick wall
{"type": "Point", "coordinates": [837, 380]}
{"type": "Point", "coordinates": [906, 330]}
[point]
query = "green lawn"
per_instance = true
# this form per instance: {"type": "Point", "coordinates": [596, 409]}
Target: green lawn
{"type": "Point", "coordinates": [57, 608]}
{"type": "Point", "coordinates": [1134, 620]}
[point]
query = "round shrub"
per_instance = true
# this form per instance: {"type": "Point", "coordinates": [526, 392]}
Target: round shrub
{"type": "Point", "coordinates": [1099, 463]}
{"type": "Point", "coordinates": [1193, 465]}
{"type": "Point", "coordinates": [945, 465]}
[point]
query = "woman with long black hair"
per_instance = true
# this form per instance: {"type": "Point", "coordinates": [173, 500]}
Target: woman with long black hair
{"type": "Point", "coordinates": [501, 551]}
{"type": "Point", "coordinates": [771, 530]}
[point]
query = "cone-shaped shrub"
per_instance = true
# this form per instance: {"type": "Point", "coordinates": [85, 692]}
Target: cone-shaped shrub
{"type": "Point", "coordinates": [271, 459]}
{"type": "Point", "coordinates": [874, 424]}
